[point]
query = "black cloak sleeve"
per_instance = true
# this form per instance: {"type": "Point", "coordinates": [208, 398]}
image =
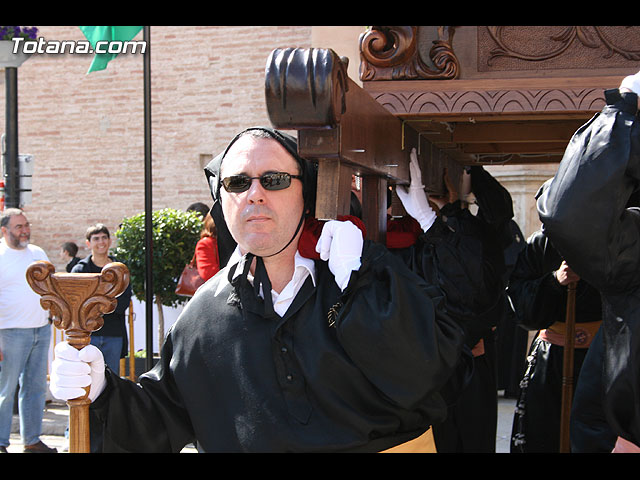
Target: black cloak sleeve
{"type": "Point", "coordinates": [537, 298]}
{"type": "Point", "coordinates": [388, 306]}
{"type": "Point", "coordinates": [144, 417]}
{"type": "Point", "coordinates": [583, 209]}
{"type": "Point", "coordinates": [459, 255]}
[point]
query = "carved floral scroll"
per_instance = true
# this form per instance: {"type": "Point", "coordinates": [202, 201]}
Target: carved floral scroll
{"type": "Point", "coordinates": [392, 53]}
{"type": "Point", "coordinates": [591, 37]}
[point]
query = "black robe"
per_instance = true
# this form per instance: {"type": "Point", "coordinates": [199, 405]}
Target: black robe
{"type": "Point", "coordinates": [457, 254]}
{"type": "Point", "coordinates": [539, 301]}
{"type": "Point", "coordinates": [234, 381]}
{"type": "Point", "coordinates": [462, 253]}
{"type": "Point", "coordinates": [584, 213]}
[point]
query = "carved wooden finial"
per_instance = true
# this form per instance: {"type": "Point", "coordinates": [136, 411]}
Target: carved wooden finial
{"type": "Point", "coordinates": [77, 302]}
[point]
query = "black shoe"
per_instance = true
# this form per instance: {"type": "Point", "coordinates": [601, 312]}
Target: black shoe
{"type": "Point", "coordinates": [3, 449]}
{"type": "Point", "coordinates": [39, 448]}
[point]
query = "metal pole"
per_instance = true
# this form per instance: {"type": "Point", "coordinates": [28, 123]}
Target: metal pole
{"type": "Point", "coordinates": [10, 167]}
{"type": "Point", "coordinates": [148, 205]}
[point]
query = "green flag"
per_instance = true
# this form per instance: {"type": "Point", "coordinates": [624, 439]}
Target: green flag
{"type": "Point", "coordinates": [106, 34]}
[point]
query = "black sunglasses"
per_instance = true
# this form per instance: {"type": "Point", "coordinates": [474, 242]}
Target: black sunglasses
{"type": "Point", "coordinates": [269, 181]}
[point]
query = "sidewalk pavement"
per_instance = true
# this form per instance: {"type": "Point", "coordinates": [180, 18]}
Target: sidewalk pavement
{"type": "Point", "coordinates": [56, 418]}
{"type": "Point", "coordinates": [506, 407]}
{"type": "Point", "coordinates": [54, 424]}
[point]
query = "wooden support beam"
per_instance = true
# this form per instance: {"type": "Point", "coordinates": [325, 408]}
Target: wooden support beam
{"type": "Point", "coordinates": [513, 132]}
{"type": "Point", "coordinates": [516, 148]}
{"type": "Point", "coordinates": [308, 90]}
{"type": "Point", "coordinates": [347, 132]}
{"type": "Point", "coordinates": [334, 176]}
{"type": "Point", "coordinates": [374, 207]}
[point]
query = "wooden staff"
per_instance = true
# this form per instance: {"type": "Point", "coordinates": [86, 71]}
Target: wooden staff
{"type": "Point", "coordinates": [567, 369]}
{"type": "Point", "coordinates": [77, 302]}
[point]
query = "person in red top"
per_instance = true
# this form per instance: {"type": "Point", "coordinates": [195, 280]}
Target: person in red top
{"type": "Point", "coordinates": [207, 260]}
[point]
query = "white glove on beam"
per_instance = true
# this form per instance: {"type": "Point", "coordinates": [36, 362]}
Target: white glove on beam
{"type": "Point", "coordinates": [414, 199]}
{"type": "Point", "coordinates": [632, 82]}
{"type": "Point", "coordinates": [74, 369]}
{"type": "Point", "coordinates": [341, 244]}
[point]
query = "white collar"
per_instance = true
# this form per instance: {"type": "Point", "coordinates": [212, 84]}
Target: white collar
{"type": "Point", "coordinates": [300, 262]}
{"type": "Point", "coordinates": [302, 267]}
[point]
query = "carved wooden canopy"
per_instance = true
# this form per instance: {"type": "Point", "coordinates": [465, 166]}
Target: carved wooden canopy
{"type": "Point", "coordinates": [496, 94]}
{"type": "Point", "coordinates": [459, 95]}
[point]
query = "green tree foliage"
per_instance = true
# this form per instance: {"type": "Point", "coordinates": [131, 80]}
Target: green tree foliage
{"type": "Point", "coordinates": [175, 234]}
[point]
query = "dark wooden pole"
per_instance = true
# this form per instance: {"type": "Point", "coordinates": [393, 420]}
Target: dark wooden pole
{"type": "Point", "coordinates": [567, 369]}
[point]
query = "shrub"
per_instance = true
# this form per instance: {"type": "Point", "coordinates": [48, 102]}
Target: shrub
{"type": "Point", "coordinates": [175, 234]}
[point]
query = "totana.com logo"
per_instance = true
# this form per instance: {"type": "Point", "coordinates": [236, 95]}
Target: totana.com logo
{"type": "Point", "coordinates": [40, 45]}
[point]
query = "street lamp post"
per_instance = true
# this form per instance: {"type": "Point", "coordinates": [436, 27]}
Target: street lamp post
{"type": "Point", "coordinates": [11, 61]}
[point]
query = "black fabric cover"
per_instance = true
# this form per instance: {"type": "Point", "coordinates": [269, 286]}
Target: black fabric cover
{"type": "Point", "coordinates": [584, 215]}
{"type": "Point", "coordinates": [233, 380]}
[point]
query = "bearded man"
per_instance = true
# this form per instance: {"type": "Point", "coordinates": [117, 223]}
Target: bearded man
{"type": "Point", "coordinates": [25, 333]}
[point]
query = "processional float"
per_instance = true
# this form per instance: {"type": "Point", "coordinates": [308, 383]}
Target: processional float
{"type": "Point", "coordinates": [347, 132]}
{"type": "Point", "coordinates": [339, 125]}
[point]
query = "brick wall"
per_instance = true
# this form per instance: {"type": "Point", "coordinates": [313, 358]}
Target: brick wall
{"type": "Point", "coordinates": [86, 131]}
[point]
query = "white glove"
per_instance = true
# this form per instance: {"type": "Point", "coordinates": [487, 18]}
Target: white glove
{"type": "Point", "coordinates": [414, 199]}
{"type": "Point", "coordinates": [341, 244]}
{"type": "Point", "coordinates": [73, 369]}
{"type": "Point", "coordinates": [632, 82]}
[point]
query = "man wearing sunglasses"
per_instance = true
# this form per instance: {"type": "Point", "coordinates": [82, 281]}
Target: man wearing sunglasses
{"type": "Point", "coordinates": [278, 352]}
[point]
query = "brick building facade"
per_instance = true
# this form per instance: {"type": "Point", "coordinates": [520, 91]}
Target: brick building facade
{"type": "Point", "coordinates": [86, 131]}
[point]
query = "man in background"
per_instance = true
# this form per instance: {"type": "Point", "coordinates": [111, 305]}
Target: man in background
{"type": "Point", "coordinates": [112, 338]}
{"type": "Point", "coordinates": [25, 334]}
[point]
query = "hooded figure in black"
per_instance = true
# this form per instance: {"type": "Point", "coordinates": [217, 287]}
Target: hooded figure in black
{"type": "Point", "coordinates": [540, 304]}
{"type": "Point", "coordinates": [463, 254]}
{"type": "Point", "coordinates": [359, 369]}
{"type": "Point", "coordinates": [584, 213]}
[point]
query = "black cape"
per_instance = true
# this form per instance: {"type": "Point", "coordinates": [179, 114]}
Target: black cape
{"type": "Point", "coordinates": [584, 213]}
{"type": "Point", "coordinates": [233, 380]}
{"type": "Point", "coordinates": [539, 301]}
